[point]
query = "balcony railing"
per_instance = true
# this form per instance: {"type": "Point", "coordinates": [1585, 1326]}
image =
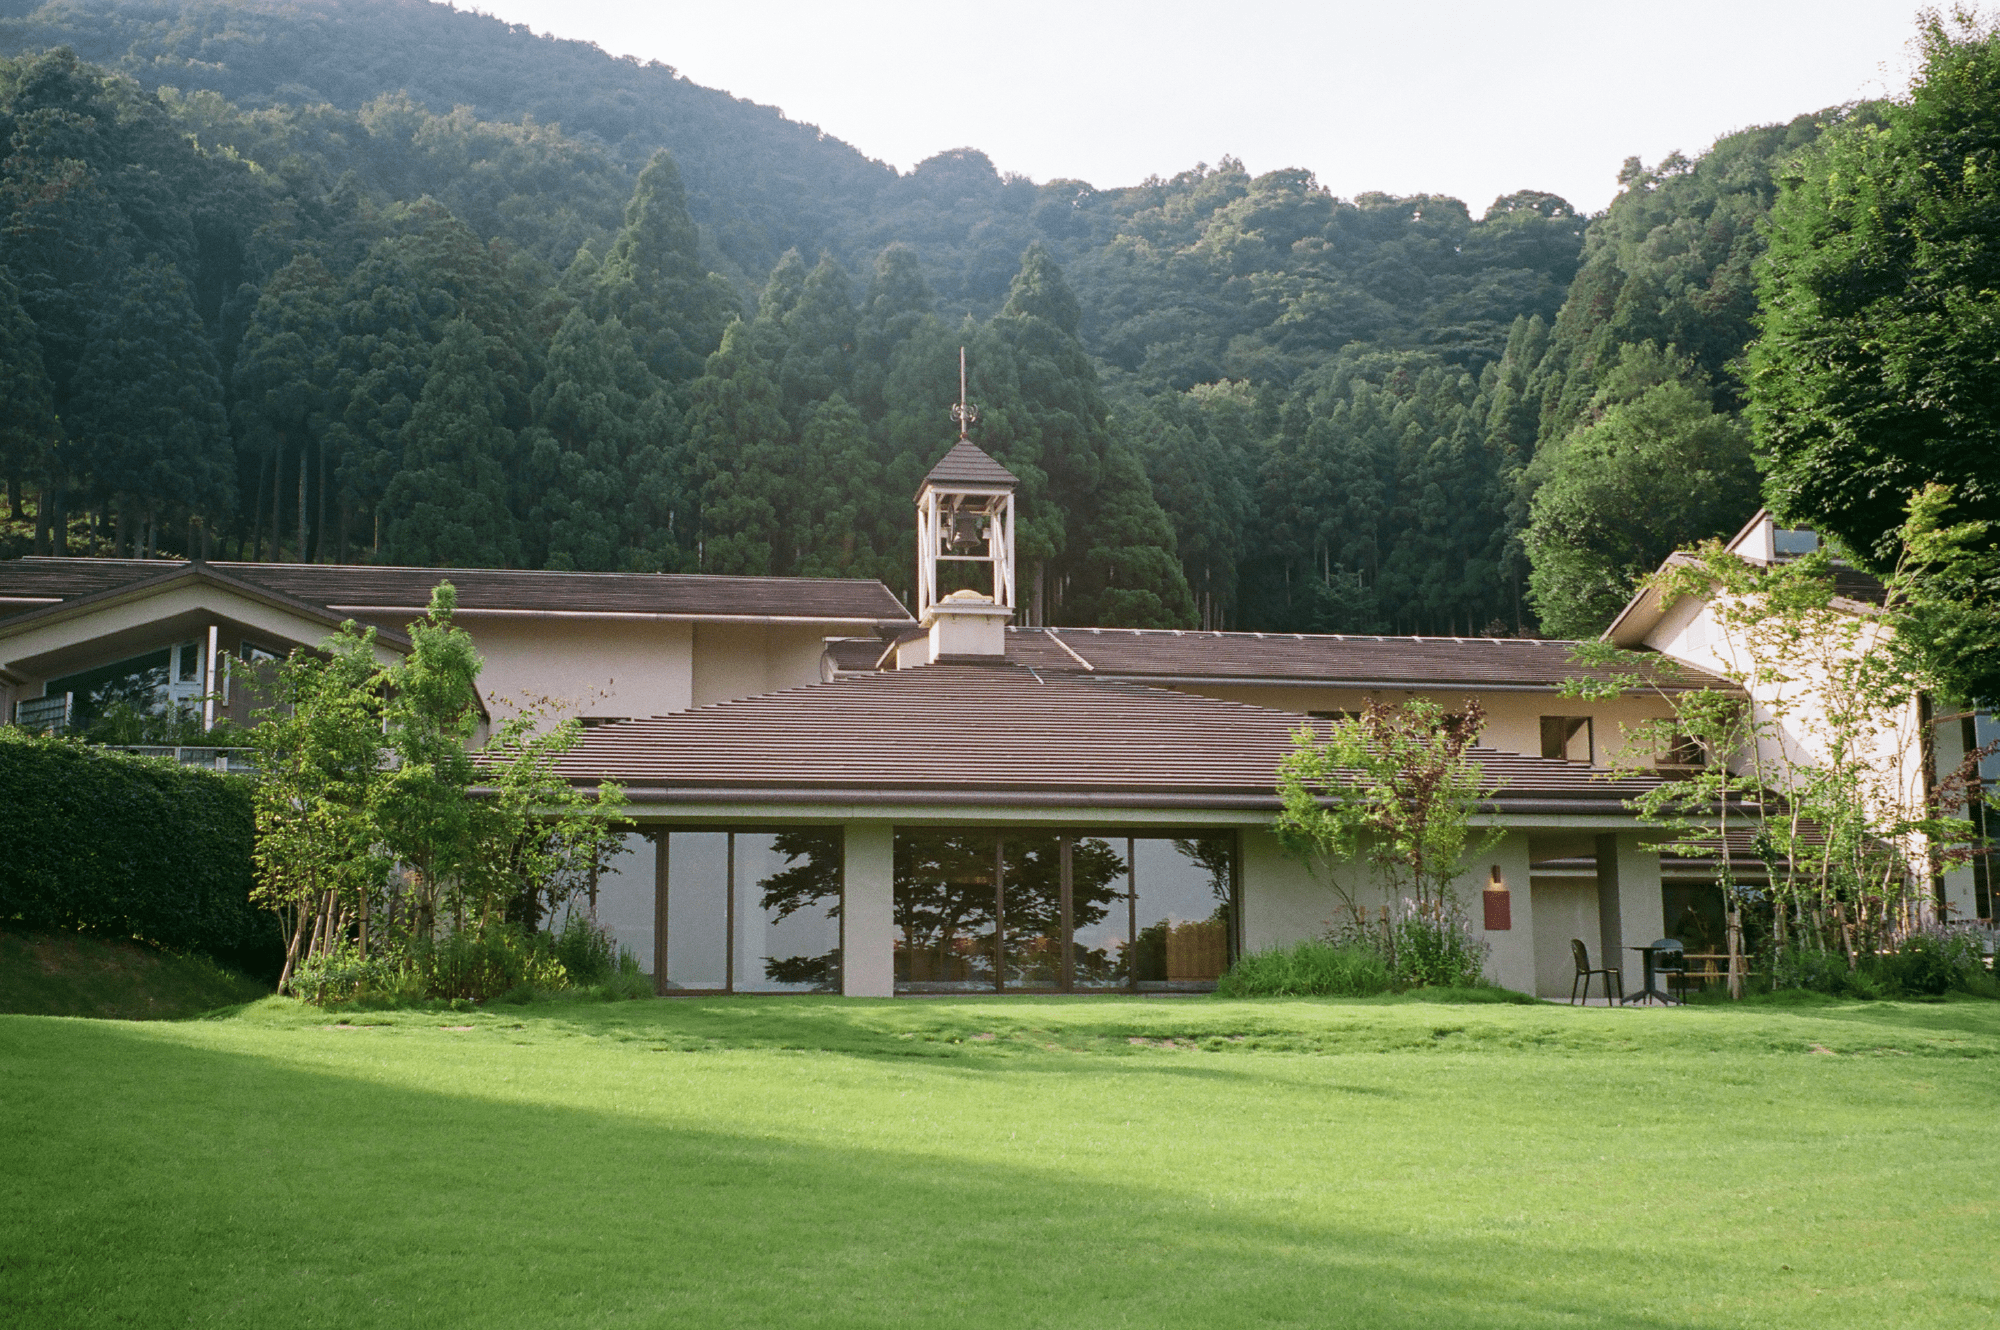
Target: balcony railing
{"type": "Point", "coordinates": [241, 760]}
{"type": "Point", "coordinates": [44, 715]}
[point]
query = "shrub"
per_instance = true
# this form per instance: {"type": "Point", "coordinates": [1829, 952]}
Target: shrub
{"type": "Point", "coordinates": [343, 975]}
{"type": "Point", "coordinates": [586, 951]}
{"type": "Point", "coordinates": [1932, 961]}
{"type": "Point", "coordinates": [1312, 968]}
{"type": "Point", "coordinates": [1438, 953]}
{"type": "Point", "coordinates": [478, 964]}
{"type": "Point", "coordinates": [1812, 970]}
{"type": "Point", "coordinates": [121, 846]}
{"type": "Point", "coordinates": [628, 981]}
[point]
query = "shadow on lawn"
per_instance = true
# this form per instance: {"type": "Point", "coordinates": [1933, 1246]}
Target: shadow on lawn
{"type": "Point", "coordinates": [159, 1181]}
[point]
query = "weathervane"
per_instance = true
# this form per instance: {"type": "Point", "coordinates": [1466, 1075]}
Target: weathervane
{"type": "Point", "coordinates": [964, 413]}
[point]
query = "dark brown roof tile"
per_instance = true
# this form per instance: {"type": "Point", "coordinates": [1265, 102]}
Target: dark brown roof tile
{"type": "Point", "coordinates": [969, 464]}
{"type": "Point", "coordinates": [996, 733]}
{"type": "Point", "coordinates": [358, 587]}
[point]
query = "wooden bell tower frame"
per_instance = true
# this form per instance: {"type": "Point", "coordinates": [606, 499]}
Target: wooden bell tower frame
{"type": "Point", "coordinates": [966, 503]}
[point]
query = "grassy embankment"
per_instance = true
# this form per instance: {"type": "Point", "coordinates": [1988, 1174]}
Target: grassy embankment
{"type": "Point", "coordinates": [1010, 1162]}
{"type": "Point", "coordinates": [67, 974]}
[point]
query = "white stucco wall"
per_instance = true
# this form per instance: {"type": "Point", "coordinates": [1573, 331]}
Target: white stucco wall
{"type": "Point", "coordinates": [602, 667]}
{"type": "Point", "coordinates": [1513, 719]}
{"type": "Point", "coordinates": [1284, 902]}
{"type": "Point", "coordinates": [1566, 908]}
{"type": "Point", "coordinates": [743, 660]}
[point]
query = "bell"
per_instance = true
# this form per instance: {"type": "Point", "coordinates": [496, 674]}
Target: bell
{"type": "Point", "coordinates": [968, 532]}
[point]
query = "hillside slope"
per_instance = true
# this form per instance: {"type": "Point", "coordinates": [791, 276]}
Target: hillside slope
{"type": "Point", "coordinates": [67, 974]}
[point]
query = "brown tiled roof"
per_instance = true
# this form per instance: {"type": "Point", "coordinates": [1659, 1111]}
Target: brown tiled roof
{"type": "Point", "coordinates": [159, 575]}
{"type": "Point", "coordinates": [356, 587]}
{"type": "Point", "coordinates": [969, 734]}
{"type": "Point", "coordinates": [1356, 661]}
{"type": "Point", "coordinates": [968, 464]}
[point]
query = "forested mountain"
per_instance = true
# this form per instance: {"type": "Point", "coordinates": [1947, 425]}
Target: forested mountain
{"type": "Point", "coordinates": [384, 280]}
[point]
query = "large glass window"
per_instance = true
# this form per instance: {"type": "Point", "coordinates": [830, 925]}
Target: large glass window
{"type": "Point", "coordinates": [1184, 911]}
{"type": "Point", "coordinates": [1100, 910]}
{"type": "Point", "coordinates": [751, 912]}
{"type": "Point", "coordinates": [787, 912]}
{"type": "Point", "coordinates": [1031, 900]}
{"type": "Point", "coordinates": [947, 905]}
{"type": "Point", "coordinates": [1049, 911]}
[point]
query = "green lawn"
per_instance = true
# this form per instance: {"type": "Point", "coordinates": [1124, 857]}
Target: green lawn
{"type": "Point", "coordinates": [1005, 1162]}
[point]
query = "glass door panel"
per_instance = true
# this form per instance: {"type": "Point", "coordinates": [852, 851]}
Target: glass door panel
{"type": "Point", "coordinates": [1100, 912]}
{"type": "Point", "coordinates": [697, 940]}
{"type": "Point", "coordinates": [1182, 911]}
{"type": "Point", "coordinates": [1032, 896]}
{"type": "Point", "coordinates": [788, 911]}
{"type": "Point", "coordinates": [946, 906]}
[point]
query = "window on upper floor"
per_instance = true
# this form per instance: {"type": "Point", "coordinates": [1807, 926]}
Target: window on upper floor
{"type": "Point", "coordinates": [1790, 544]}
{"type": "Point", "coordinates": [1568, 738]}
{"type": "Point", "coordinates": [1682, 754]}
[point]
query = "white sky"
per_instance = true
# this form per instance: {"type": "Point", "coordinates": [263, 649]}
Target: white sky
{"type": "Point", "coordinates": [1449, 96]}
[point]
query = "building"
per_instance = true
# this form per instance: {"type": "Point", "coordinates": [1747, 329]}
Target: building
{"type": "Point", "coordinates": [830, 794]}
{"type": "Point", "coordinates": [1905, 751]}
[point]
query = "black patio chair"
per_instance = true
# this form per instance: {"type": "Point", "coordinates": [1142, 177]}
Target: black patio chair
{"type": "Point", "coordinates": [1614, 983]}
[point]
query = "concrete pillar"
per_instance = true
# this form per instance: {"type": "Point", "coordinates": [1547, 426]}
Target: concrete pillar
{"type": "Point", "coordinates": [1629, 909]}
{"type": "Point", "coordinates": [1511, 959]}
{"type": "Point", "coordinates": [867, 911]}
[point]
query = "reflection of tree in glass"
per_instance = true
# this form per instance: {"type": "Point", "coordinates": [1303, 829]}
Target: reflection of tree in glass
{"type": "Point", "coordinates": [1034, 906]}
{"type": "Point", "coordinates": [811, 879]}
{"type": "Point", "coordinates": [1212, 853]}
{"type": "Point", "coordinates": [1097, 884]}
{"type": "Point", "coordinates": [944, 903]}
{"type": "Point", "coordinates": [141, 690]}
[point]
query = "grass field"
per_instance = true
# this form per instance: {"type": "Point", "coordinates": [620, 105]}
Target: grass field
{"type": "Point", "coordinates": [1009, 1162]}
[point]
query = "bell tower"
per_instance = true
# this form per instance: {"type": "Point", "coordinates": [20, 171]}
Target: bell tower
{"type": "Point", "coordinates": [965, 515]}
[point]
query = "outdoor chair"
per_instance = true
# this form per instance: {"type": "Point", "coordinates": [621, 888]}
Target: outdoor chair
{"type": "Point", "coordinates": [1670, 964]}
{"type": "Point", "coordinates": [1614, 983]}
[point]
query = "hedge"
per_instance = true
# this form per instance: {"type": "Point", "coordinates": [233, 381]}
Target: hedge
{"type": "Point", "coordinates": [132, 847]}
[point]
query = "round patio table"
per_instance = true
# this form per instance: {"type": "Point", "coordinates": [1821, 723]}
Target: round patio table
{"type": "Point", "coordinates": [1648, 993]}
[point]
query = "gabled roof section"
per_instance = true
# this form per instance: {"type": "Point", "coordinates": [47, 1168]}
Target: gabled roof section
{"type": "Point", "coordinates": [166, 577]}
{"type": "Point", "coordinates": [1647, 607]}
{"type": "Point", "coordinates": [1000, 734]}
{"type": "Point", "coordinates": [361, 588]}
{"type": "Point", "coordinates": [969, 464]}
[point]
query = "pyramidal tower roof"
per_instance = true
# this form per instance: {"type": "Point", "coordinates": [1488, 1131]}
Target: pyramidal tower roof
{"type": "Point", "coordinates": [968, 464]}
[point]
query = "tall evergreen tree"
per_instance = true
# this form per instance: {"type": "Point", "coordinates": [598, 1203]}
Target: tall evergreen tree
{"type": "Point", "coordinates": [150, 408]}
{"type": "Point", "coordinates": [741, 454]}
{"type": "Point", "coordinates": [849, 523]}
{"type": "Point", "coordinates": [447, 506]}
{"type": "Point", "coordinates": [603, 453]}
{"type": "Point", "coordinates": [1196, 447]}
{"type": "Point", "coordinates": [818, 358]}
{"type": "Point", "coordinates": [1047, 421]}
{"type": "Point", "coordinates": [895, 307]}
{"type": "Point", "coordinates": [28, 428]}
{"type": "Point", "coordinates": [653, 280]}
{"type": "Point", "coordinates": [285, 366]}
